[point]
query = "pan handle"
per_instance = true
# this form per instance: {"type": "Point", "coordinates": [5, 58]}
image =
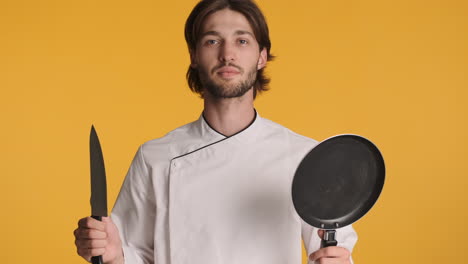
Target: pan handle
{"type": "Point", "coordinates": [329, 238]}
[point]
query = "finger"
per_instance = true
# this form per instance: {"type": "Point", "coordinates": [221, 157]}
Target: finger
{"type": "Point", "coordinates": [86, 233]}
{"type": "Point", "coordinates": [91, 243]}
{"type": "Point", "coordinates": [332, 261]}
{"type": "Point", "coordinates": [87, 253]}
{"type": "Point", "coordinates": [320, 233]}
{"type": "Point", "coordinates": [106, 219]}
{"type": "Point", "coordinates": [89, 222]}
{"type": "Point", "coordinates": [330, 252]}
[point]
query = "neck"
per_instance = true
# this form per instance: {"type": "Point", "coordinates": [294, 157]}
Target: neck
{"type": "Point", "coordinates": [229, 115]}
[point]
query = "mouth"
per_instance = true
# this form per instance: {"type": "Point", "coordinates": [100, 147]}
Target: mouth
{"type": "Point", "coordinates": [227, 72]}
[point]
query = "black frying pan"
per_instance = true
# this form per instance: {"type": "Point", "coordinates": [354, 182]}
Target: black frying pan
{"type": "Point", "coordinates": [337, 183]}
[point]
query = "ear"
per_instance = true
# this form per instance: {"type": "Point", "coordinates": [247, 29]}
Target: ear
{"type": "Point", "coordinates": [193, 60]}
{"type": "Point", "coordinates": [262, 59]}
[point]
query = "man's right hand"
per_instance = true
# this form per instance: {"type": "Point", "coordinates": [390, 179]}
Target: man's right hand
{"type": "Point", "coordinates": [96, 238]}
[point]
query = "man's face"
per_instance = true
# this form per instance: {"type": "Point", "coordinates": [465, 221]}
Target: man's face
{"type": "Point", "coordinates": [227, 55]}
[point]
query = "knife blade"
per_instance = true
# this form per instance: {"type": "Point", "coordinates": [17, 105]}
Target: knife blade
{"type": "Point", "coordinates": [98, 183]}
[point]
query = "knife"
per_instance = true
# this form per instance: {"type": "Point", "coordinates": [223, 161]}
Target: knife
{"type": "Point", "coordinates": [98, 183]}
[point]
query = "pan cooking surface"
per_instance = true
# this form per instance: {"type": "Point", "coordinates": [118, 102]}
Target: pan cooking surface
{"type": "Point", "coordinates": [338, 181]}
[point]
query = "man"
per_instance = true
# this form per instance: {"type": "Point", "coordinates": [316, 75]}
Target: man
{"type": "Point", "coordinates": [216, 190]}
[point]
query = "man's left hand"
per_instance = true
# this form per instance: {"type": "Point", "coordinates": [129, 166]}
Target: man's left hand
{"type": "Point", "coordinates": [331, 255]}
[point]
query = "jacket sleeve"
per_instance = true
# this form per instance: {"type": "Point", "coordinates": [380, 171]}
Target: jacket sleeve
{"type": "Point", "coordinates": [345, 236]}
{"type": "Point", "coordinates": [134, 213]}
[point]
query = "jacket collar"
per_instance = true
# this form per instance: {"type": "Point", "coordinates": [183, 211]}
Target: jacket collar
{"type": "Point", "coordinates": [246, 134]}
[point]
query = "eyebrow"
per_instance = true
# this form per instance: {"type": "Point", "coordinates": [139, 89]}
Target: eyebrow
{"type": "Point", "coordinates": [216, 33]}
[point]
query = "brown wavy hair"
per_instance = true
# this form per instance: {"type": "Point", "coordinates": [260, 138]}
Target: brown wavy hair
{"type": "Point", "coordinates": [252, 13]}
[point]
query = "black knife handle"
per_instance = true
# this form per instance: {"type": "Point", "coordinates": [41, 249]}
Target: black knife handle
{"type": "Point", "coordinates": [97, 259]}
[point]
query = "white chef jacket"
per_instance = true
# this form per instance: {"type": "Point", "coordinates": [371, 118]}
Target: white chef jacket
{"type": "Point", "coordinates": [196, 196]}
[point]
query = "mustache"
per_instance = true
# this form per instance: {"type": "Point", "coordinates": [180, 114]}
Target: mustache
{"type": "Point", "coordinates": [217, 67]}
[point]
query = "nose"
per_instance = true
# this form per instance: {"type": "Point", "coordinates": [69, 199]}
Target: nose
{"type": "Point", "coordinates": [227, 53]}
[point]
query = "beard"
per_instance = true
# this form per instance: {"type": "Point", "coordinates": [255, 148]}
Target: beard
{"type": "Point", "coordinates": [226, 89]}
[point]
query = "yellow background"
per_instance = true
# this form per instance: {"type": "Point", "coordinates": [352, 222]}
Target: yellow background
{"type": "Point", "coordinates": [394, 71]}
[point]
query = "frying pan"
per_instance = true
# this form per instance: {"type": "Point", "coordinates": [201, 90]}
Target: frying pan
{"type": "Point", "coordinates": [337, 183]}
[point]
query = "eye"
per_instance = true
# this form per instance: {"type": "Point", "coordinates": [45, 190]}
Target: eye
{"type": "Point", "coordinates": [212, 42]}
{"type": "Point", "coordinates": [243, 41]}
